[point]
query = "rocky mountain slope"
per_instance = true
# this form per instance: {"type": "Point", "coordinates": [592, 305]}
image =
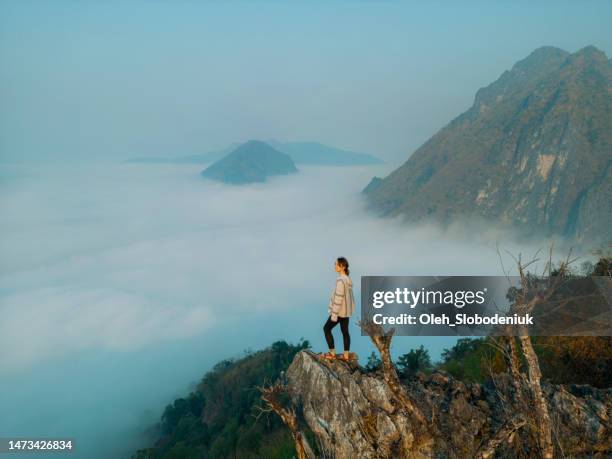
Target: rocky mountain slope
{"type": "Point", "coordinates": [534, 151]}
{"type": "Point", "coordinates": [252, 161]}
{"type": "Point", "coordinates": [357, 414]}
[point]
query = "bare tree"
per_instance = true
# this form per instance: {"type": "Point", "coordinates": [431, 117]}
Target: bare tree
{"type": "Point", "coordinates": [427, 431]}
{"type": "Point", "coordinates": [271, 395]}
{"type": "Point", "coordinates": [382, 341]}
{"type": "Point", "coordinates": [534, 290]}
{"type": "Point", "coordinates": [504, 434]}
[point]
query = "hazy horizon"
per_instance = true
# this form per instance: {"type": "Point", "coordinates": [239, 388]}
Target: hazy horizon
{"type": "Point", "coordinates": [103, 82]}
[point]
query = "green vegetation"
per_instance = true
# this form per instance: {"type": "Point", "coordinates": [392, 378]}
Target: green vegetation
{"type": "Point", "coordinates": [471, 359]}
{"type": "Point", "coordinates": [415, 360]}
{"type": "Point", "coordinates": [563, 359]}
{"type": "Point", "coordinates": [218, 419]}
{"type": "Point", "coordinates": [373, 362]}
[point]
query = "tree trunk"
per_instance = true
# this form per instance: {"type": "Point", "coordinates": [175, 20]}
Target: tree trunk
{"type": "Point", "coordinates": [421, 427]}
{"type": "Point", "coordinates": [544, 425]}
{"type": "Point", "coordinates": [289, 418]}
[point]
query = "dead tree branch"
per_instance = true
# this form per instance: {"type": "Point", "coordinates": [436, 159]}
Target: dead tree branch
{"type": "Point", "coordinates": [504, 434]}
{"type": "Point", "coordinates": [270, 395]}
{"type": "Point", "coordinates": [382, 341]}
{"type": "Point", "coordinates": [534, 291]}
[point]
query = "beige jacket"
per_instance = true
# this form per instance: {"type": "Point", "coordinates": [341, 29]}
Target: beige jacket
{"type": "Point", "coordinates": [342, 301]}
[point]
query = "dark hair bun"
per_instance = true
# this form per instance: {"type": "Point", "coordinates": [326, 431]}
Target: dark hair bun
{"type": "Point", "coordinates": [344, 263]}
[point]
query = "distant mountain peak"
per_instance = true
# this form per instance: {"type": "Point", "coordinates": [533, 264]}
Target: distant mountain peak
{"type": "Point", "coordinates": [593, 52]}
{"type": "Point", "coordinates": [543, 52]}
{"type": "Point", "coordinates": [310, 152]}
{"type": "Point", "coordinates": [540, 62]}
{"type": "Point", "coordinates": [253, 143]}
{"type": "Point", "coordinates": [533, 152]}
{"type": "Point", "coordinates": [588, 56]}
{"type": "Point", "coordinates": [305, 152]}
{"type": "Point", "coordinates": [253, 161]}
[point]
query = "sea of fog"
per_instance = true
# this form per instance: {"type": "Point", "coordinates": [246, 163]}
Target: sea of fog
{"type": "Point", "coordinates": [121, 284]}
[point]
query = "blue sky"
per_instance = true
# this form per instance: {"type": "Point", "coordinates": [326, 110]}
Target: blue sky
{"type": "Point", "coordinates": [109, 80]}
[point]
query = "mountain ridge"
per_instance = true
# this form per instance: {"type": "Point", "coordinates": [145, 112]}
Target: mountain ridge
{"type": "Point", "coordinates": [533, 151]}
{"type": "Point", "coordinates": [306, 152]}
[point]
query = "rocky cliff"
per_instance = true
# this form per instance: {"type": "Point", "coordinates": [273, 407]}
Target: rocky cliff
{"type": "Point", "coordinates": [353, 413]}
{"type": "Point", "coordinates": [534, 151]}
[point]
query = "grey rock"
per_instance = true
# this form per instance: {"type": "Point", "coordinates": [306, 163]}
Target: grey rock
{"type": "Point", "coordinates": [353, 415]}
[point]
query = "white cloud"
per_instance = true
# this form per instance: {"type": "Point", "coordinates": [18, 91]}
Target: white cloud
{"type": "Point", "coordinates": [123, 256]}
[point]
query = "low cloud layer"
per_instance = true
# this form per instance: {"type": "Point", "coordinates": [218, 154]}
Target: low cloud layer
{"type": "Point", "coordinates": [123, 256]}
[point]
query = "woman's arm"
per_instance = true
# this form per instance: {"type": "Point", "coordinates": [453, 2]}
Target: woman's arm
{"type": "Point", "coordinates": [337, 299]}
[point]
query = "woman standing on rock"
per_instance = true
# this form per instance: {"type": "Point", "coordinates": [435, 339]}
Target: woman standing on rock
{"type": "Point", "coordinates": [341, 307]}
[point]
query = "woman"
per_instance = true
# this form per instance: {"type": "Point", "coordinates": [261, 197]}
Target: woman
{"type": "Point", "coordinates": [341, 307]}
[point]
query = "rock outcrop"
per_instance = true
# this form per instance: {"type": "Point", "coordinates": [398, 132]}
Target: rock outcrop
{"type": "Point", "coordinates": [356, 414]}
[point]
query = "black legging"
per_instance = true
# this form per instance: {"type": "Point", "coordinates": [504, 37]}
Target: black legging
{"type": "Point", "coordinates": [327, 328]}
